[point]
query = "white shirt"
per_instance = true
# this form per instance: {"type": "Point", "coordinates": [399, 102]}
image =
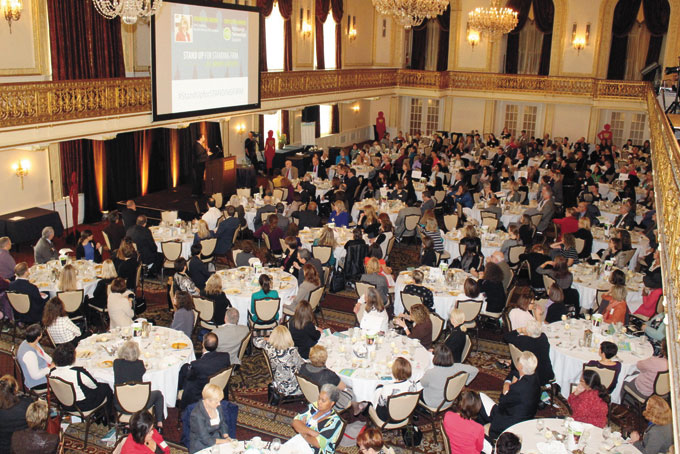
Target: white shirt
{"type": "Point", "coordinates": [30, 359]}
{"type": "Point", "coordinates": [375, 321]}
{"type": "Point", "coordinates": [120, 310]}
{"type": "Point", "coordinates": [211, 216]}
{"type": "Point", "coordinates": [71, 376]}
{"type": "Point", "coordinates": [63, 330]}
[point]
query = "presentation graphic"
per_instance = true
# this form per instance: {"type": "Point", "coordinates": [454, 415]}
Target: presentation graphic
{"type": "Point", "coordinates": [183, 31]}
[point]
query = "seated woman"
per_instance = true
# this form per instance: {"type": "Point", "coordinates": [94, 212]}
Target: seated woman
{"type": "Point", "coordinates": [616, 305]}
{"type": "Point", "coordinates": [456, 343]}
{"type": "Point", "coordinates": [470, 261]}
{"type": "Point", "coordinates": [182, 280]}
{"type": "Point", "coordinates": [243, 258]}
{"type": "Point", "coordinates": [431, 230]}
{"type": "Point", "coordinates": [311, 283]}
{"type": "Point", "coordinates": [373, 276]}
{"type": "Point", "coordinates": [584, 234]}
{"type": "Point", "coordinates": [208, 423]}
{"type": "Point", "coordinates": [34, 362]}
{"type": "Point", "coordinates": [35, 438]}
{"type": "Point", "coordinates": [521, 314]}
{"type": "Point", "coordinates": [339, 216]}
{"type": "Point", "coordinates": [303, 329]}
{"type": "Point", "coordinates": [284, 359]}
{"type": "Point", "coordinates": [434, 380]}
{"type": "Point", "coordinates": [320, 426]}
{"type": "Point", "coordinates": [12, 411]}
{"type": "Point", "coordinates": [643, 383]}
{"type": "Point", "coordinates": [418, 289]}
{"type": "Point", "coordinates": [464, 433]}
{"type": "Point", "coordinates": [273, 231]}
{"type": "Point", "coordinates": [401, 371]}
{"type": "Point", "coordinates": [374, 317]}
{"type": "Point", "coordinates": [608, 350]}
{"type": "Point", "coordinates": [566, 248]}
{"type": "Point", "coordinates": [290, 263]}
{"type": "Point", "coordinates": [87, 249]}
{"type": "Point", "coordinates": [421, 328]}
{"type": "Point", "coordinates": [127, 261]}
{"type": "Point", "coordinates": [370, 441]}
{"type": "Point", "coordinates": [555, 307]}
{"type": "Point", "coordinates": [316, 371]}
{"type": "Point", "coordinates": [327, 238]}
{"type": "Point", "coordinates": [213, 292]}
{"type": "Point", "coordinates": [614, 254]}
{"type": "Point", "coordinates": [532, 339]}
{"type": "Point", "coordinates": [535, 258]}
{"type": "Point", "coordinates": [589, 401]}
{"type": "Point", "coordinates": [60, 328]}
{"type": "Point", "coordinates": [616, 278]}
{"type": "Point", "coordinates": [491, 284]}
{"type": "Point", "coordinates": [203, 232]}
{"type": "Point", "coordinates": [526, 230]}
{"type": "Point", "coordinates": [385, 233]}
{"type": "Point", "coordinates": [68, 280]}
{"type": "Point", "coordinates": [89, 393]}
{"type": "Point", "coordinates": [513, 240]}
{"type": "Point", "coordinates": [368, 220]}
{"type": "Point", "coordinates": [428, 257]}
{"type": "Point", "coordinates": [658, 437]}
{"type": "Point", "coordinates": [119, 305]}
{"type": "Point", "coordinates": [655, 331]}
{"type": "Point", "coordinates": [559, 272]}
{"type": "Point", "coordinates": [265, 292]}
{"type": "Point", "coordinates": [100, 293]}
{"type": "Point", "coordinates": [129, 368]}
{"type": "Point", "coordinates": [183, 320]}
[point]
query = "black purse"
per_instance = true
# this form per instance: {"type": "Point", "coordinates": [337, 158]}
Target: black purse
{"type": "Point", "coordinates": [412, 436]}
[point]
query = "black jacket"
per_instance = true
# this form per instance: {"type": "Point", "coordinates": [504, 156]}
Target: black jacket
{"type": "Point", "coordinates": [13, 419]}
{"type": "Point", "coordinates": [304, 338]}
{"type": "Point", "coordinates": [628, 221]}
{"type": "Point", "coordinates": [225, 235]}
{"type": "Point", "coordinates": [456, 343]}
{"type": "Point", "coordinates": [518, 404]}
{"type": "Point", "coordinates": [116, 233]}
{"type": "Point", "coordinates": [354, 261]}
{"type": "Point", "coordinates": [146, 246]}
{"type": "Point", "coordinates": [307, 218]}
{"type": "Point", "coordinates": [198, 272]}
{"type": "Point", "coordinates": [540, 347]}
{"type": "Point", "coordinates": [193, 377]}
{"type": "Point", "coordinates": [35, 311]}
{"type": "Point", "coordinates": [129, 218]}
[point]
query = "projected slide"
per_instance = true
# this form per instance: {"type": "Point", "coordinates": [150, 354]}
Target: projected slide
{"type": "Point", "coordinates": [205, 59]}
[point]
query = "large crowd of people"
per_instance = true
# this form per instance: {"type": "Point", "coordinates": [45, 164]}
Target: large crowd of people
{"type": "Point", "coordinates": [557, 183]}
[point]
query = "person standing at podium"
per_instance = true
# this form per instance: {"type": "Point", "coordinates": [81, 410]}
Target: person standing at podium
{"type": "Point", "coordinates": [201, 154]}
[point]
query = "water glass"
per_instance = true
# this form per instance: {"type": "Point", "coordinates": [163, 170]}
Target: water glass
{"type": "Point", "coordinates": [540, 425]}
{"type": "Point", "coordinates": [606, 433]}
{"type": "Point", "coordinates": [275, 445]}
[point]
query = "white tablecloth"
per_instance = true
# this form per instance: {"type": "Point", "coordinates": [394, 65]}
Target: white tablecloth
{"type": "Point", "coordinates": [163, 234]}
{"type": "Point", "coordinates": [342, 236]}
{"type": "Point", "coordinates": [639, 242]}
{"type": "Point", "coordinates": [491, 242]}
{"type": "Point", "coordinates": [592, 440]}
{"type": "Point", "coordinates": [390, 207]}
{"type": "Point", "coordinates": [512, 214]}
{"type": "Point", "coordinates": [445, 296]}
{"type": "Point", "coordinates": [47, 282]}
{"type": "Point", "coordinates": [364, 375]}
{"type": "Point", "coordinates": [239, 284]}
{"type": "Point", "coordinates": [162, 360]}
{"type": "Point", "coordinates": [610, 210]}
{"type": "Point", "coordinates": [587, 285]}
{"type": "Point", "coordinates": [568, 357]}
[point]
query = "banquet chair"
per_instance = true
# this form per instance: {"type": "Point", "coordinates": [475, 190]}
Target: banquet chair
{"type": "Point", "coordinates": [606, 375]}
{"type": "Point", "coordinates": [491, 223]}
{"type": "Point", "coordinates": [130, 398]}
{"type": "Point", "coordinates": [208, 249]}
{"type": "Point", "coordinates": [243, 192]}
{"type": "Point", "coordinates": [461, 249]}
{"type": "Point", "coordinates": [284, 246]}
{"type": "Point", "coordinates": [515, 354]}
{"type": "Point", "coordinates": [169, 217]}
{"type": "Point", "coordinates": [65, 394]}
{"type": "Point", "coordinates": [322, 253]}
{"type": "Point", "coordinates": [359, 315]}
{"type": "Point", "coordinates": [73, 301]}
{"type": "Point", "coordinates": [118, 446]}
{"type": "Point", "coordinates": [579, 244]}
{"type": "Point", "coordinates": [21, 304]}
{"type": "Point", "coordinates": [390, 245]}
{"type": "Point", "coordinates": [471, 309]}
{"type": "Point", "coordinates": [107, 241]}
{"type": "Point", "coordinates": [266, 310]}
{"type": "Point", "coordinates": [639, 318]}
{"type": "Point", "coordinates": [450, 222]}
{"type": "Point", "coordinates": [235, 237]}
{"type": "Point", "coordinates": [513, 254]}
{"type": "Point", "coordinates": [598, 299]}
{"type": "Point", "coordinates": [218, 200]}
{"type": "Point", "coordinates": [547, 282]}
{"type": "Point", "coordinates": [662, 389]}
{"type": "Point", "coordinates": [268, 245]}
{"type": "Point", "coordinates": [410, 225]}
{"type": "Point", "coordinates": [326, 278]}
{"type": "Point", "coordinates": [205, 309]}
{"type": "Point", "coordinates": [437, 326]}
{"type": "Point", "coordinates": [282, 398]}
{"type": "Point", "coordinates": [277, 194]}
{"type": "Point", "coordinates": [315, 300]}
{"type": "Point", "coordinates": [221, 379]}
{"type": "Point", "coordinates": [309, 388]}
{"type": "Point", "coordinates": [400, 408]}
{"type": "Point", "coordinates": [536, 219]}
{"type": "Point", "coordinates": [172, 250]}
{"type": "Point", "coordinates": [628, 256]}
{"type": "Point", "coordinates": [408, 301]}
{"type": "Point", "coordinates": [466, 349]}
{"type": "Point", "coordinates": [522, 197]}
{"type": "Point", "coordinates": [452, 389]}
{"type": "Point", "coordinates": [438, 196]}
{"type": "Point", "coordinates": [265, 217]}
{"type": "Point", "coordinates": [446, 442]}
{"type": "Point", "coordinates": [476, 197]}
{"type": "Point", "coordinates": [362, 288]}
{"type": "Point", "coordinates": [245, 343]}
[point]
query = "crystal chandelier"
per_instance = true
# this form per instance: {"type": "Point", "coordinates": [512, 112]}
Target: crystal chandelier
{"type": "Point", "coordinates": [128, 10]}
{"type": "Point", "coordinates": [410, 13]}
{"type": "Point", "coordinates": [494, 20]}
{"type": "Point", "coordinates": [11, 10]}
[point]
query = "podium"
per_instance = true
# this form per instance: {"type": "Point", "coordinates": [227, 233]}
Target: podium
{"type": "Point", "coordinates": [220, 176]}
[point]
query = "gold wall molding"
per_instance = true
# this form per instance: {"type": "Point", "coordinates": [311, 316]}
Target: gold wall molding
{"type": "Point", "coordinates": [50, 102]}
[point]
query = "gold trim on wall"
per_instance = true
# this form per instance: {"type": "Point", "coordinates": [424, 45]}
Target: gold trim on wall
{"type": "Point", "coordinates": [40, 43]}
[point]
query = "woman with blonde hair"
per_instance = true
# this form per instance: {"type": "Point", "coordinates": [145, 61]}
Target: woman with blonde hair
{"type": "Point", "coordinates": [208, 423]}
{"type": "Point", "coordinates": [213, 292]}
{"type": "Point", "coordinates": [658, 437]}
{"type": "Point", "coordinates": [339, 216]}
{"type": "Point", "coordinates": [431, 230]}
{"type": "Point", "coordinates": [327, 238]}
{"type": "Point", "coordinates": [457, 337]}
{"type": "Point", "coordinates": [374, 316]}
{"type": "Point", "coordinates": [60, 328]}
{"type": "Point", "coordinates": [368, 220]}
{"type": "Point", "coordinates": [100, 293]}
{"type": "Point", "coordinates": [584, 234]}
{"type": "Point", "coordinates": [471, 238]}
{"type": "Point", "coordinates": [35, 439]}
{"type": "Point", "coordinates": [421, 328]}
{"type": "Point", "coordinates": [373, 276]}
{"type": "Point", "coordinates": [311, 283]}
{"type": "Point", "coordinates": [203, 232]}
{"type": "Point", "coordinates": [284, 359]}
{"type": "Point", "coordinates": [68, 280]}
{"type": "Point", "coordinates": [617, 307]}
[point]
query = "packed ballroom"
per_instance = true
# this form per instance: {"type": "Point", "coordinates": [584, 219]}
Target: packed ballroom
{"type": "Point", "coordinates": [340, 226]}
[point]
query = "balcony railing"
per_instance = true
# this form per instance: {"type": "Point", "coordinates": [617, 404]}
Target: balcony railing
{"type": "Point", "coordinates": [49, 102]}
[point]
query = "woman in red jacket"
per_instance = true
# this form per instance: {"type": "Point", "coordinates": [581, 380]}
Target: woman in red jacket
{"type": "Point", "coordinates": [588, 401]}
{"type": "Point", "coordinates": [143, 438]}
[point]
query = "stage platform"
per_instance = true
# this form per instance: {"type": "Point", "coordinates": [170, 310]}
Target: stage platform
{"type": "Point", "coordinates": [178, 199]}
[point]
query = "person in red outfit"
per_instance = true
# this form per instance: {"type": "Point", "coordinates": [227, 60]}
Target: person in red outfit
{"type": "Point", "coordinates": [568, 224]}
{"type": "Point", "coordinates": [143, 438]}
{"type": "Point", "coordinates": [466, 436]}
{"type": "Point", "coordinates": [589, 399]}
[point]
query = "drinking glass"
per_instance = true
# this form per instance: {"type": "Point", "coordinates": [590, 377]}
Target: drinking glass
{"type": "Point", "coordinates": [275, 445]}
{"type": "Point", "coordinates": [540, 425]}
{"type": "Point", "coordinates": [606, 433]}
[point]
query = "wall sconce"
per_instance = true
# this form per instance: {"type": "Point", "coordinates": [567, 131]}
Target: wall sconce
{"type": "Point", "coordinates": [579, 42]}
{"type": "Point", "coordinates": [240, 128]}
{"type": "Point", "coordinates": [473, 37]}
{"type": "Point", "coordinates": [305, 27]}
{"type": "Point", "coordinates": [11, 9]}
{"type": "Point", "coordinates": [356, 108]}
{"type": "Point", "coordinates": [352, 27]}
{"type": "Point", "coordinates": [21, 169]}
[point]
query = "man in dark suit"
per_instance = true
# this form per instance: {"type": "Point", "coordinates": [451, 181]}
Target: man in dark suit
{"type": "Point", "coordinates": [146, 246]}
{"type": "Point", "coordinates": [45, 250]}
{"type": "Point", "coordinates": [316, 169]}
{"type": "Point", "coordinates": [225, 231]}
{"type": "Point", "coordinates": [546, 207]}
{"type": "Point", "coordinates": [196, 269]}
{"type": "Point", "coordinates": [129, 214]}
{"type": "Point", "coordinates": [428, 203]}
{"type": "Point", "coordinates": [352, 183]}
{"type": "Point", "coordinates": [304, 257]}
{"type": "Point", "coordinates": [115, 230]}
{"type": "Point", "coordinates": [22, 285]}
{"type": "Point", "coordinates": [626, 217]}
{"type": "Point", "coordinates": [267, 208]}
{"type": "Point", "coordinates": [194, 376]}
{"type": "Point", "coordinates": [308, 217]}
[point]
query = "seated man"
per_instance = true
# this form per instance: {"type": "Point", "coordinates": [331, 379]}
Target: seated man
{"type": "Point", "coordinates": [230, 335]}
{"type": "Point", "coordinates": [194, 376]}
{"type": "Point", "coordinates": [37, 299]}
{"type": "Point", "coordinates": [146, 246]}
{"type": "Point", "coordinates": [546, 207]}
{"type": "Point", "coordinates": [400, 226]}
{"type": "Point", "coordinates": [307, 218]}
{"type": "Point", "coordinates": [45, 250]}
{"type": "Point", "coordinates": [225, 232]}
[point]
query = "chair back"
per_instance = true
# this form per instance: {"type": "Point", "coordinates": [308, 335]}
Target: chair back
{"type": "Point", "coordinates": [454, 385]}
{"type": "Point", "coordinates": [437, 326]}
{"type": "Point", "coordinates": [515, 353]}
{"type": "Point", "coordinates": [138, 276]}
{"type": "Point", "coordinates": [71, 299]}
{"type": "Point", "coordinates": [284, 246]}
{"type": "Point", "coordinates": [267, 361]}
{"type": "Point", "coordinates": [315, 297]}
{"type": "Point", "coordinates": [62, 390]}
{"type": "Point", "coordinates": [471, 309]}
{"type": "Point", "coordinates": [477, 197]}
{"type": "Point", "coordinates": [390, 245]}
{"type": "Point", "coordinates": [267, 243]}
{"type": "Point", "coordinates": [628, 256]}
{"type": "Point", "coordinates": [409, 300]}
{"type": "Point", "coordinates": [451, 222]}
{"type": "Point", "coordinates": [107, 241]}
{"type": "Point", "coordinates": [438, 196]}
{"type": "Point", "coordinates": [169, 217]}
{"type": "Point", "coordinates": [598, 299]}
{"type": "Point", "coordinates": [235, 237]}
{"type": "Point", "coordinates": [362, 288]}
{"type": "Point", "coordinates": [322, 253]}
{"type": "Point", "coordinates": [208, 247]}
{"type": "Point", "coordinates": [547, 282]}
{"type": "Point", "coordinates": [401, 406]}
{"type": "Point", "coordinates": [606, 375]}
{"type": "Point", "coordinates": [662, 384]}
{"type": "Point", "coordinates": [218, 199]}
{"type": "Point", "coordinates": [445, 438]}
{"type": "Point", "coordinates": [466, 348]}
{"type": "Point", "coordinates": [309, 389]}
{"type": "Point", "coordinates": [221, 378]}
{"type": "Point", "coordinates": [536, 219]}
{"type": "Point", "coordinates": [205, 309]}
{"type": "Point", "coordinates": [20, 302]}
{"type": "Point", "coordinates": [522, 197]}
{"type": "Point", "coordinates": [326, 275]}
{"type": "Point", "coordinates": [513, 254]}
{"type": "Point", "coordinates": [411, 222]}
{"type": "Point", "coordinates": [244, 346]}
{"type": "Point", "coordinates": [172, 250]}
{"type": "Point", "coordinates": [660, 304]}
{"type": "Point", "coordinates": [132, 396]}
{"type": "Point", "coordinates": [265, 217]}
{"type": "Point", "coordinates": [243, 192]}
{"type": "Point", "coordinates": [267, 308]}
{"type": "Point", "coordinates": [278, 194]}
{"type": "Point", "coordinates": [490, 222]}
{"type": "Point", "coordinates": [579, 244]}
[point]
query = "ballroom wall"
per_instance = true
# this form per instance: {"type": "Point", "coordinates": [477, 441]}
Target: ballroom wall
{"type": "Point", "coordinates": [36, 189]}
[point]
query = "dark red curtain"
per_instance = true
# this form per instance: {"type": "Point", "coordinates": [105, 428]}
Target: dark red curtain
{"type": "Point", "coordinates": [286, 10]}
{"type": "Point", "coordinates": [77, 156]}
{"type": "Point", "coordinates": [83, 44]}
{"type": "Point", "coordinates": [444, 21]}
{"type": "Point", "coordinates": [544, 14]}
{"type": "Point", "coordinates": [657, 14]}
{"type": "Point", "coordinates": [419, 46]}
{"type": "Point", "coordinates": [285, 124]}
{"type": "Point", "coordinates": [337, 8]}
{"type": "Point", "coordinates": [335, 120]}
{"type": "Point", "coordinates": [625, 14]}
{"type": "Point", "coordinates": [512, 51]}
{"type": "Point", "coordinates": [321, 9]}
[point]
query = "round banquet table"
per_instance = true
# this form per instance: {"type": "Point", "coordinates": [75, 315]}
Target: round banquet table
{"type": "Point", "coordinates": [511, 214]}
{"type": "Point", "coordinates": [322, 187]}
{"type": "Point", "coordinates": [342, 236]}
{"type": "Point", "coordinates": [364, 375]}
{"type": "Point", "coordinates": [250, 206]}
{"type": "Point", "coordinates": [587, 282]}
{"type": "Point", "coordinates": [610, 210]}
{"type": "Point", "coordinates": [240, 283]}
{"type": "Point", "coordinates": [445, 296]}
{"type": "Point", "coordinates": [568, 357]}
{"type": "Point", "coordinates": [162, 360]}
{"type": "Point", "coordinates": [391, 207]}
{"type": "Point", "coordinates": [164, 234]}
{"type": "Point", "coordinates": [42, 276]}
{"type": "Point", "coordinates": [534, 441]}
{"type": "Point", "coordinates": [640, 244]}
{"type": "Point", "coordinates": [491, 242]}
